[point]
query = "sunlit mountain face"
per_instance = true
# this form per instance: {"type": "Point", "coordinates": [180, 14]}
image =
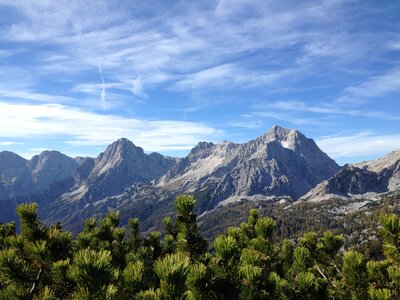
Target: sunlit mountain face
{"type": "Point", "coordinates": [280, 170]}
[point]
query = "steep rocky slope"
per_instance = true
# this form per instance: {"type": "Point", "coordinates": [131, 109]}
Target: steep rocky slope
{"type": "Point", "coordinates": [280, 164]}
{"type": "Point", "coordinates": [367, 179]}
{"type": "Point", "coordinates": [21, 177]}
{"type": "Point", "coordinates": [121, 165]}
{"type": "Point", "coordinates": [278, 168]}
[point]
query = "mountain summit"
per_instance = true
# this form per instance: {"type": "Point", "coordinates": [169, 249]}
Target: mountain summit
{"type": "Point", "coordinates": [121, 165]}
{"type": "Point", "coordinates": [366, 179]}
{"type": "Point", "coordinates": [282, 162]}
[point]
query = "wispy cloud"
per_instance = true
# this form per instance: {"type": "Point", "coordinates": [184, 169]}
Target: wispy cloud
{"type": "Point", "coordinates": [378, 85]}
{"type": "Point", "coordinates": [6, 53]}
{"type": "Point", "coordinates": [328, 109]}
{"type": "Point", "coordinates": [292, 118]}
{"type": "Point", "coordinates": [9, 143]}
{"type": "Point", "coordinates": [230, 74]}
{"type": "Point", "coordinates": [32, 96]}
{"type": "Point", "coordinates": [103, 88]}
{"type": "Point", "coordinates": [83, 128]}
{"type": "Point", "coordinates": [137, 88]}
{"type": "Point", "coordinates": [331, 59]}
{"type": "Point", "coordinates": [249, 124]}
{"type": "Point", "coordinates": [187, 51]}
{"type": "Point", "coordinates": [359, 144]}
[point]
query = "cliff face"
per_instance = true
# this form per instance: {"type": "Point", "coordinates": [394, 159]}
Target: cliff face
{"type": "Point", "coordinates": [282, 164]}
{"type": "Point", "coordinates": [366, 178]}
{"type": "Point", "coordinates": [121, 165]}
{"type": "Point", "coordinates": [21, 177]}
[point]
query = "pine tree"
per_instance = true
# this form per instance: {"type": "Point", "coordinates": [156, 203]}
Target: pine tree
{"type": "Point", "coordinates": [104, 262]}
{"type": "Point", "coordinates": [189, 240]}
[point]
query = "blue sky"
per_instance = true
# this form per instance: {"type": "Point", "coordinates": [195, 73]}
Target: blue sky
{"type": "Point", "coordinates": [77, 75]}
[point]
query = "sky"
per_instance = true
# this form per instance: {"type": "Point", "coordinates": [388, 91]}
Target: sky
{"type": "Point", "coordinates": [77, 75]}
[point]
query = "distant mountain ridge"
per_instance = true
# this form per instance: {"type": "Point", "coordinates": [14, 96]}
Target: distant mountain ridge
{"type": "Point", "coordinates": [20, 177]}
{"type": "Point", "coordinates": [281, 165]}
{"type": "Point", "coordinates": [121, 165]}
{"type": "Point", "coordinates": [365, 179]}
{"type": "Point", "coordinates": [281, 162]}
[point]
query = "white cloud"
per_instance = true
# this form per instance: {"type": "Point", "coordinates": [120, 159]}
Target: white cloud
{"type": "Point", "coordinates": [330, 109]}
{"type": "Point", "coordinates": [103, 88]}
{"type": "Point", "coordinates": [249, 124]}
{"type": "Point", "coordinates": [378, 85]}
{"type": "Point", "coordinates": [82, 128]}
{"type": "Point", "coordinates": [292, 119]}
{"type": "Point", "coordinates": [94, 88]}
{"type": "Point", "coordinates": [394, 45]}
{"type": "Point", "coordinates": [9, 143]}
{"type": "Point", "coordinates": [137, 88]}
{"type": "Point", "coordinates": [228, 75]}
{"type": "Point", "coordinates": [6, 53]}
{"type": "Point", "coordinates": [193, 47]}
{"type": "Point", "coordinates": [359, 144]}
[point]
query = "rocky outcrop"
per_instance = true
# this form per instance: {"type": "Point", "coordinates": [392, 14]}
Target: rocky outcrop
{"type": "Point", "coordinates": [366, 179]}
{"type": "Point", "coordinates": [121, 165]}
{"type": "Point", "coordinates": [21, 177]}
{"type": "Point", "coordinates": [280, 164]}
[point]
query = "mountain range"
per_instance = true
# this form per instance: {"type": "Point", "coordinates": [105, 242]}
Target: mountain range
{"type": "Point", "coordinates": [282, 166]}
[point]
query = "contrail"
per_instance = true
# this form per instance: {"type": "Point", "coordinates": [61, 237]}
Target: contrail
{"type": "Point", "coordinates": [103, 90]}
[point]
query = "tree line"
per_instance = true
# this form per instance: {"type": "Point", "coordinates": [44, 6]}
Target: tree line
{"type": "Point", "coordinates": [107, 261]}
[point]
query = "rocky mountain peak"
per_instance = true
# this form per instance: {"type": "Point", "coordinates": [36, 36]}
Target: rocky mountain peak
{"type": "Point", "coordinates": [11, 165]}
{"type": "Point", "coordinates": [38, 161]}
{"type": "Point", "coordinates": [200, 147]}
{"type": "Point", "coordinates": [288, 138]}
{"type": "Point", "coordinates": [389, 161]}
{"type": "Point", "coordinates": [280, 132]}
{"type": "Point", "coordinates": [124, 146]}
{"type": "Point", "coordinates": [121, 165]}
{"type": "Point", "coordinates": [117, 152]}
{"type": "Point", "coordinates": [282, 162]}
{"type": "Point", "coordinates": [49, 166]}
{"type": "Point", "coordinates": [7, 157]}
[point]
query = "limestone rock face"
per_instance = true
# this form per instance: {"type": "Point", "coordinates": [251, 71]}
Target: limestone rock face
{"type": "Point", "coordinates": [121, 165]}
{"type": "Point", "coordinates": [281, 165]}
{"type": "Point", "coordinates": [282, 162]}
{"type": "Point", "coordinates": [20, 177]}
{"type": "Point", "coordinates": [366, 179]}
{"type": "Point", "coordinates": [63, 186]}
{"type": "Point", "coordinates": [12, 167]}
{"type": "Point", "coordinates": [49, 167]}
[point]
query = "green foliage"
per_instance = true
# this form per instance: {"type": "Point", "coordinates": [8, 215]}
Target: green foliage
{"type": "Point", "coordinates": [355, 275]}
{"type": "Point", "coordinates": [133, 276]}
{"type": "Point", "coordinates": [173, 270]}
{"type": "Point", "coordinates": [265, 228]}
{"type": "Point", "coordinates": [106, 261]}
{"type": "Point", "coordinates": [92, 273]}
{"type": "Point", "coordinates": [184, 205]}
{"type": "Point", "coordinates": [390, 234]}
